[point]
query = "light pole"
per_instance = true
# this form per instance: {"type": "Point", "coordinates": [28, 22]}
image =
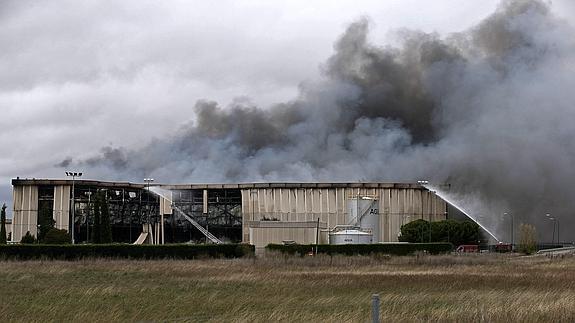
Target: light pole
{"type": "Point", "coordinates": [557, 220]}
{"type": "Point", "coordinates": [73, 175]}
{"type": "Point", "coordinates": [448, 226]}
{"type": "Point", "coordinates": [554, 221]}
{"type": "Point", "coordinates": [148, 181]}
{"type": "Point", "coordinates": [512, 229]}
{"type": "Point", "coordinates": [434, 212]}
{"type": "Point", "coordinates": [89, 194]}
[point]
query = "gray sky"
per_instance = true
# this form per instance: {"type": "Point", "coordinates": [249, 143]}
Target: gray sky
{"type": "Point", "coordinates": [80, 75]}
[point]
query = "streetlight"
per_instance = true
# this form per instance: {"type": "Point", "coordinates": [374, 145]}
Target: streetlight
{"type": "Point", "coordinates": [512, 229]}
{"type": "Point", "coordinates": [73, 175]}
{"type": "Point", "coordinates": [448, 226]}
{"type": "Point", "coordinates": [148, 181]}
{"type": "Point", "coordinates": [555, 221]}
{"type": "Point", "coordinates": [89, 194]}
{"type": "Point", "coordinates": [433, 201]}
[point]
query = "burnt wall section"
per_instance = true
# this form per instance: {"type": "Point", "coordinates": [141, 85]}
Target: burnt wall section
{"type": "Point", "coordinates": [217, 210]}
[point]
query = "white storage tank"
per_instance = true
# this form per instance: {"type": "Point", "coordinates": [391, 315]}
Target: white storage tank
{"type": "Point", "coordinates": [363, 211]}
{"type": "Point", "coordinates": [350, 236]}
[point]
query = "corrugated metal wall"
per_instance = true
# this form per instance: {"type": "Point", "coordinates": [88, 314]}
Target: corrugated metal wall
{"type": "Point", "coordinates": [25, 211]}
{"type": "Point", "coordinates": [62, 206]}
{"type": "Point", "coordinates": [397, 206]}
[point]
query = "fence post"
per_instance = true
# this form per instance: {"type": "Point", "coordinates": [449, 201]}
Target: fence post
{"type": "Point", "coordinates": [375, 308]}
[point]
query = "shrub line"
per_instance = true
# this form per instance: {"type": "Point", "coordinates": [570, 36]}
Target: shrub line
{"type": "Point", "coordinates": [172, 251]}
{"type": "Point", "coordinates": [399, 249]}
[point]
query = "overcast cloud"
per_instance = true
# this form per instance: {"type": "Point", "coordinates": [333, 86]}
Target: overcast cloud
{"type": "Point", "coordinates": [79, 75]}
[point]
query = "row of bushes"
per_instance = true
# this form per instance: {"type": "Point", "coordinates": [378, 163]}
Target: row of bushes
{"type": "Point", "coordinates": [172, 251]}
{"type": "Point", "coordinates": [185, 251]}
{"type": "Point", "coordinates": [399, 249]}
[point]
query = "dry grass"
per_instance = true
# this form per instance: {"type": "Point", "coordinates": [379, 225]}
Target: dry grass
{"type": "Point", "coordinates": [491, 288]}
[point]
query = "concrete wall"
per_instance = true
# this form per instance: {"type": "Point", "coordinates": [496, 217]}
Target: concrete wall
{"type": "Point", "coordinates": [262, 233]}
{"type": "Point", "coordinates": [397, 206]}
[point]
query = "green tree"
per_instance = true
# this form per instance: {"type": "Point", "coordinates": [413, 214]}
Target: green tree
{"type": "Point", "coordinates": [97, 216]}
{"type": "Point", "coordinates": [527, 239]}
{"type": "Point", "coordinates": [28, 238]}
{"type": "Point", "coordinates": [45, 221]}
{"type": "Point", "coordinates": [415, 231]}
{"type": "Point", "coordinates": [57, 236]}
{"type": "Point", "coordinates": [102, 232]}
{"type": "Point", "coordinates": [106, 226]}
{"type": "Point", "coordinates": [3, 225]}
{"type": "Point", "coordinates": [456, 232]}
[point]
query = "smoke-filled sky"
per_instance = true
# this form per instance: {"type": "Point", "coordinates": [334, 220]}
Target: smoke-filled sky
{"type": "Point", "coordinates": [477, 94]}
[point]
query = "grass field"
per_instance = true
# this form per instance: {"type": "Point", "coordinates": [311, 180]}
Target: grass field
{"type": "Point", "coordinates": [490, 288]}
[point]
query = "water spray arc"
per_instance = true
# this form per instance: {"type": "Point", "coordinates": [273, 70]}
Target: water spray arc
{"type": "Point", "coordinates": [443, 195]}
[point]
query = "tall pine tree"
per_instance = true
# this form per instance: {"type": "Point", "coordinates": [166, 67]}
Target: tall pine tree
{"type": "Point", "coordinates": [106, 227]}
{"type": "Point", "coordinates": [97, 216]}
{"type": "Point", "coordinates": [45, 221]}
{"type": "Point", "coordinates": [102, 232]}
{"type": "Point", "coordinates": [3, 225]}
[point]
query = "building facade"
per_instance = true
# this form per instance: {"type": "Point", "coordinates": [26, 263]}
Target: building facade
{"type": "Point", "coordinates": [256, 213]}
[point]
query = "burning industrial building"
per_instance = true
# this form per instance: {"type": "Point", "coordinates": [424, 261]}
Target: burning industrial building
{"type": "Point", "coordinates": [255, 213]}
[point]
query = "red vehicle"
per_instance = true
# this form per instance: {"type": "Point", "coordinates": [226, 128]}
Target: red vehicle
{"type": "Point", "coordinates": [467, 248]}
{"type": "Point", "coordinates": [503, 247]}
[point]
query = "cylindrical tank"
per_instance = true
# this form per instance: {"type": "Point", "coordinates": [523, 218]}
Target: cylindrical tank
{"type": "Point", "coordinates": [363, 212]}
{"type": "Point", "coordinates": [350, 236]}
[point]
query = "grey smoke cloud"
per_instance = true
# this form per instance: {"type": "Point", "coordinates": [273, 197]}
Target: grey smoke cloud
{"type": "Point", "coordinates": [488, 110]}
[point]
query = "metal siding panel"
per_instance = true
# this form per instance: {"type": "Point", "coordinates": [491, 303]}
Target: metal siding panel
{"type": "Point", "coordinates": [300, 208]}
{"type": "Point", "coordinates": [33, 224]}
{"type": "Point", "coordinates": [382, 215]}
{"type": "Point", "coordinates": [331, 201]}
{"type": "Point", "coordinates": [17, 220]}
{"type": "Point", "coordinates": [61, 209]}
{"type": "Point", "coordinates": [316, 197]}
{"type": "Point", "coordinates": [260, 203]}
{"type": "Point", "coordinates": [308, 200]}
{"type": "Point", "coordinates": [424, 204]}
{"type": "Point", "coordinates": [247, 214]}
{"type": "Point", "coordinates": [205, 201]}
{"type": "Point", "coordinates": [286, 204]}
{"type": "Point", "coordinates": [25, 214]}
{"type": "Point", "coordinates": [293, 201]}
{"type": "Point", "coordinates": [324, 201]}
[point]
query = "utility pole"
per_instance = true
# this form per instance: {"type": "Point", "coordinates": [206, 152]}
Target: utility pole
{"type": "Point", "coordinates": [548, 215]}
{"type": "Point", "coordinates": [557, 220]}
{"type": "Point", "coordinates": [512, 229]}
